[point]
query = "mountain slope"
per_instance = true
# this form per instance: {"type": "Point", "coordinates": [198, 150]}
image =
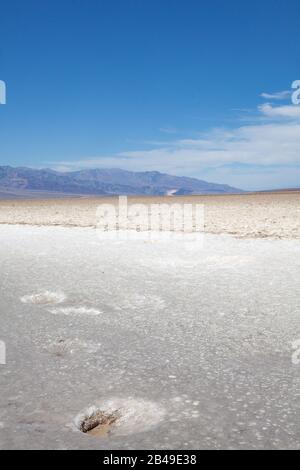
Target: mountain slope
{"type": "Point", "coordinates": [105, 182]}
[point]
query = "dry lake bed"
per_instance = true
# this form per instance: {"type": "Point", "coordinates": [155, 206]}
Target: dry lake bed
{"type": "Point", "coordinates": [175, 343]}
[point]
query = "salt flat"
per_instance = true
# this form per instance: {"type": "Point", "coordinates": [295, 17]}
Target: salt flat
{"type": "Point", "coordinates": [192, 341]}
{"type": "Point", "coordinates": [275, 215]}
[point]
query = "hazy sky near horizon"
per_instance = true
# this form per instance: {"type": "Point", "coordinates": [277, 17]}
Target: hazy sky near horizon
{"type": "Point", "coordinates": [195, 88]}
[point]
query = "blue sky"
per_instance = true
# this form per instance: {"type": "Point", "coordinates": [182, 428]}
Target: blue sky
{"type": "Point", "coordinates": [165, 85]}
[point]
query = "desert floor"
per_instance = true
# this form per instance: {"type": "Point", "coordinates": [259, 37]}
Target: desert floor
{"type": "Point", "coordinates": [194, 341]}
{"type": "Point", "coordinates": [274, 215]}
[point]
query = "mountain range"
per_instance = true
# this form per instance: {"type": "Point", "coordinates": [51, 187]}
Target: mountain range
{"type": "Point", "coordinates": [102, 182]}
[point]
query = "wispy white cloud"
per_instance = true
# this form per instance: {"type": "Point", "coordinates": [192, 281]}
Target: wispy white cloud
{"type": "Point", "coordinates": [264, 154]}
{"type": "Point", "coordinates": [288, 111]}
{"type": "Point", "coordinates": [280, 95]}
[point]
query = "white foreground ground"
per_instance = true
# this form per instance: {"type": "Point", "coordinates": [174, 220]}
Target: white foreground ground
{"type": "Point", "coordinates": [192, 342]}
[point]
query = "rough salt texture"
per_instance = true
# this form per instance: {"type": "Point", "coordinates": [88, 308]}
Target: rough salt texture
{"type": "Point", "coordinates": [275, 215]}
{"type": "Point", "coordinates": [193, 341]}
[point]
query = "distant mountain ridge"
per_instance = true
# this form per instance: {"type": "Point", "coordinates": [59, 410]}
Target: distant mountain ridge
{"type": "Point", "coordinates": [105, 182]}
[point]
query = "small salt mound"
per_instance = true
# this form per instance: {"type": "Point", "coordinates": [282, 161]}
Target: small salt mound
{"type": "Point", "coordinates": [75, 311]}
{"type": "Point", "coordinates": [45, 297]}
{"type": "Point", "coordinates": [96, 422]}
{"type": "Point", "coordinates": [132, 416]}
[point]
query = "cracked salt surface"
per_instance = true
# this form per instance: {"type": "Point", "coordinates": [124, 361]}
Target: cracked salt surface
{"type": "Point", "coordinates": [45, 297]}
{"type": "Point", "coordinates": [63, 347]}
{"type": "Point", "coordinates": [203, 333]}
{"type": "Point", "coordinates": [75, 311]}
